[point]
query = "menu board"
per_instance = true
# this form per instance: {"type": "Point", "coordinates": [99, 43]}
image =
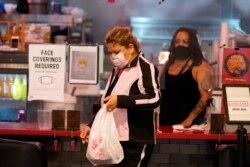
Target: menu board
{"type": "Point", "coordinates": [235, 67]}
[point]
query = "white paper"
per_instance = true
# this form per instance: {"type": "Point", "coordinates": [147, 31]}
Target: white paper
{"type": "Point", "coordinates": [47, 72]}
{"type": "Point", "coordinates": [238, 99]}
{"type": "Point", "coordinates": [193, 127]}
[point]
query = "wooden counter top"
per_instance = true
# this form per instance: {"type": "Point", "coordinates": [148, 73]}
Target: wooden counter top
{"type": "Point", "coordinates": [7, 128]}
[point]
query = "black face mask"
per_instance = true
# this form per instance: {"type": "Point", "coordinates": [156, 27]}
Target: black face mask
{"type": "Point", "coordinates": [181, 52]}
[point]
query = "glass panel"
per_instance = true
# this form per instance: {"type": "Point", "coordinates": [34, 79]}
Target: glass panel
{"type": "Point", "coordinates": [13, 95]}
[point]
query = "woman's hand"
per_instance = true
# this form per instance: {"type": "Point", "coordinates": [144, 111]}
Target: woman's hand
{"type": "Point", "coordinates": [111, 102]}
{"type": "Point", "coordinates": [187, 123]}
{"type": "Point", "coordinates": [84, 135]}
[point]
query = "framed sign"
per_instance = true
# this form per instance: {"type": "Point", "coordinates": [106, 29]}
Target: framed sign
{"type": "Point", "coordinates": [83, 64]}
{"type": "Point", "coordinates": [237, 103]}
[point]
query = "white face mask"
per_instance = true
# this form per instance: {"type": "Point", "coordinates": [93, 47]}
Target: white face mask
{"type": "Point", "coordinates": [119, 60]}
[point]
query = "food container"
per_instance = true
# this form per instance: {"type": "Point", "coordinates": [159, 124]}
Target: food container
{"type": "Point", "coordinates": [37, 33]}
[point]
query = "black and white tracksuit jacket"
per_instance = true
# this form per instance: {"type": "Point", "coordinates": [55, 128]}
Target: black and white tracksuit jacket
{"type": "Point", "coordinates": [137, 90]}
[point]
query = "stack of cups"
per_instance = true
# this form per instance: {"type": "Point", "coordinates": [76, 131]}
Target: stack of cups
{"type": "Point", "coordinates": [44, 119]}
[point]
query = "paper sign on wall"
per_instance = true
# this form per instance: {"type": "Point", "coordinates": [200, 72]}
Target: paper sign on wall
{"type": "Point", "coordinates": [47, 72]}
{"type": "Point", "coordinates": [235, 67]}
{"type": "Point", "coordinates": [237, 103]}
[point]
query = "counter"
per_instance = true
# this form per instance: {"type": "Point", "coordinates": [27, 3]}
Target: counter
{"type": "Point", "coordinates": [192, 148]}
{"type": "Point", "coordinates": [7, 128]}
{"type": "Point", "coordinates": [167, 133]}
{"type": "Point", "coordinates": [31, 129]}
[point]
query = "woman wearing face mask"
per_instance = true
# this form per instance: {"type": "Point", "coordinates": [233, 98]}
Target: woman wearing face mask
{"type": "Point", "coordinates": [132, 93]}
{"type": "Point", "coordinates": [186, 81]}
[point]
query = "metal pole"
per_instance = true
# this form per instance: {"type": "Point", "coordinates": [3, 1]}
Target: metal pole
{"type": "Point", "coordinates": [242, 144]}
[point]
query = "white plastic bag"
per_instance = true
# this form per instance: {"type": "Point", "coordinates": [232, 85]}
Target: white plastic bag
{"type": "Point", "coordinates": [104, 146]}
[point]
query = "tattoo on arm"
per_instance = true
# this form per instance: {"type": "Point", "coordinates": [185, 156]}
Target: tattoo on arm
{"type": "Point", "coordinates": [200, 106]}
{"type": "Point", "coordinates": [206, 81]}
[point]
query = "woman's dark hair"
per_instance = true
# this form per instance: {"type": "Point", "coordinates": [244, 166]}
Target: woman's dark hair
{"type": "Point", "coordinates": [193, 45]}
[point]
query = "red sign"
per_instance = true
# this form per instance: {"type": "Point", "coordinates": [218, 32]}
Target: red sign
{"type": "Point", "coordinates": [235, 67]}
{"type": "Point", "coordinates": [111, 1]}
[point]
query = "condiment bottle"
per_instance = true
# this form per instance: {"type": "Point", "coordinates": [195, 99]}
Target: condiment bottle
{"type": "Point", "coordinates": [21, 116]}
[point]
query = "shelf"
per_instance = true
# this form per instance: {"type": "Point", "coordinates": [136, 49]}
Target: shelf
{"type": "Point", "coordinates": [13, 57]}
{"type": "Point", "coordinates": [11, 99]}
{"type": "Point", "coordinates": [52, 20]}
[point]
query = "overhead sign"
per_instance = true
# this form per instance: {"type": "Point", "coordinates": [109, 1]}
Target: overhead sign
{"type": "Point", "coordinates": [47, 72]}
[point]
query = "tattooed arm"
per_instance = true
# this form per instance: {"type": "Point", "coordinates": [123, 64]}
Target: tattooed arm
{"type": "Point", "coordinates": [203, 74]}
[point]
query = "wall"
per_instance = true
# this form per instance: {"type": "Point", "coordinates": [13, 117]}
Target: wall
{"type": "Point", "coordinates": [83, 104]}
{"type": "Point", "coordinates": [170, 153]}
{"type": "Point", "coordinates": [167, 152]}
{"type": "Point", "coordinates": [106, 15]}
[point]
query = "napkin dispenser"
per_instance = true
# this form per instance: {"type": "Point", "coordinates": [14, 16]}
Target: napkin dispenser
{"type": "Point", "coordinates": [217, 123]}
{"type": "Point", "coordinates": [58, 119]}
{"type": "Point", "coordinates": [73, 120]}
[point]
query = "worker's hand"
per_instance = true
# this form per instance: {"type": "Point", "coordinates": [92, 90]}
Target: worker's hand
{"type": "Point", "coordinates": [187, 123]}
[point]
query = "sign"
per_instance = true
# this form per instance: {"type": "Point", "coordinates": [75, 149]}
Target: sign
{"type": "Point", "coordinates": [237, 103]}
{"type": "Point", "coordinates": [235, 67]}
{"type": "Point", "coordinates": [47, 72]}
{"type": "Point", "coordinates": [83, 64]}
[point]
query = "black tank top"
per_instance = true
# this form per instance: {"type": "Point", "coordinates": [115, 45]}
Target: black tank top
{"type": "Point", "coordinates": [179, 98]}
